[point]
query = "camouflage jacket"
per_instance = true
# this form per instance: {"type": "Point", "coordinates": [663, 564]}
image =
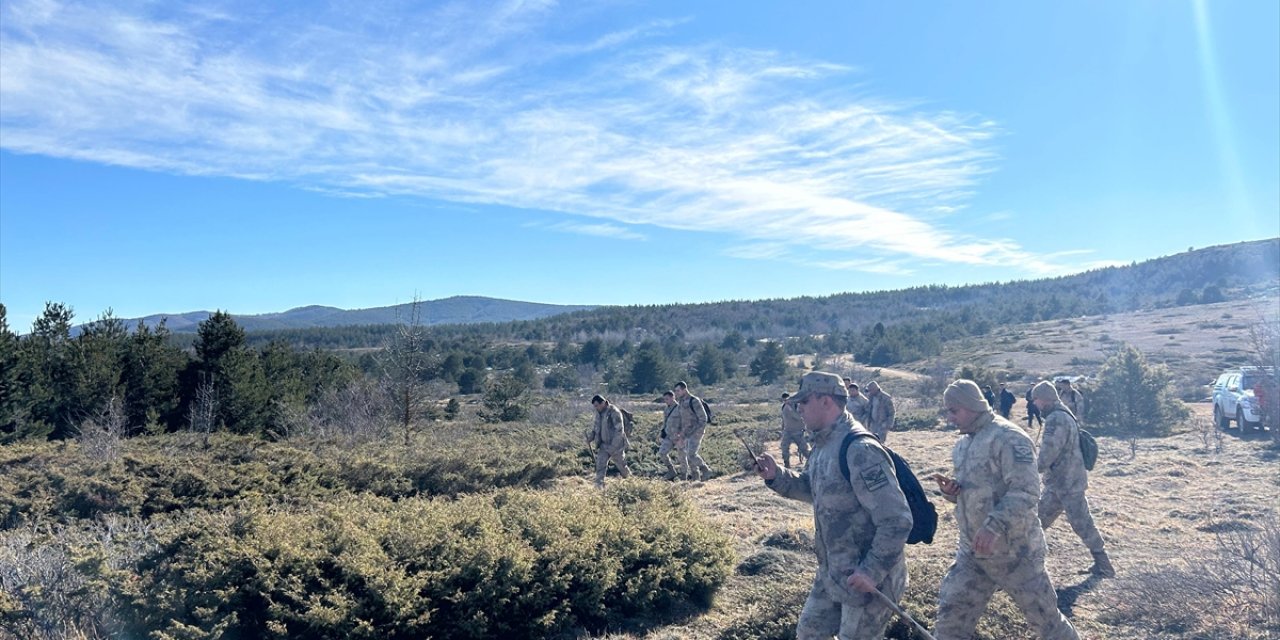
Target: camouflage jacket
{"type": "Point", "coordinates": [859, 524]}
{"type": "Point", "coordinates": [608, 433]}
{"type": "Point", "coordinates": [671, 421]}
{"type": "Point", "coordinates": [693, 416]}
{"type": "Point", "coordinates": [1073, 400]}
{"type": "Point", "coordinates": [792, 422]}
{"type": "Point", "coordinates": [999, 486]}
{"type": "Point", "coordinates": [857, 406]}
{"type": "Point", "coordinates": [880, 413]}
{"type": "Point", "coordinates": [1060, 462]}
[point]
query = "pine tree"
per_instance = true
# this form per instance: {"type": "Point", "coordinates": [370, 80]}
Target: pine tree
{"type": "Point", "coordinates": [1134, 398]}
{"type": "Point", "coordinates": [770, 364]}
{"type": "Point", "coordinates": [150, 373]}
{"type": "Point", "coordinates": [11, 413]}
{"type": "Point", "coordinates": [99, 356]}
{"type": "Point", "coordinates": [502, 397]}
{"type": "Point", "coordinates": [710, 365]}
{"type": "Point", "coordinates": [47, 370]}
{"type": "Point", "coordinates": [649, 370]}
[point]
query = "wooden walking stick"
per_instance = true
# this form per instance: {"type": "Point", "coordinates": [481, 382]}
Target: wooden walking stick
{"type": "Point", "coordinates": [903, 614]}
{"type": "Point", "coordinates": [750, 452]}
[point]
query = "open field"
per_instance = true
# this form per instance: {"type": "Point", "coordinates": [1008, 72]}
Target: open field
{"type": "Point", "coordinates": [1181, 513]}
{"type": "Point", "coordinates": [1195, 341]}
{"type": "Point", "coordinates": [1162, 510]}
{"type": "Point", "coordinates": [1166, 508]}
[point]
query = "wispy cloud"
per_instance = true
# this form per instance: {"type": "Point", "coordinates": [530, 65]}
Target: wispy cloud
{"type": "Point", "coordinates": [501, 105]}
{"type": "Point", "coordinates": [602, 230]}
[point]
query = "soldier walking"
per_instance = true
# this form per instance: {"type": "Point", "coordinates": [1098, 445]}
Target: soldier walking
{"type": "Point", "coordinates": [880, 411]}
{"type": "Point", "coordinates": [1007, 400]}
{"type": "Point", "coordinates": [996, 490]}
{"type": "Point", "coordinates": [609, 437]}
{"type": "Point", "coordinates": [858, 402]}
{"type": "Point", "coordinates": [672, 440]}
{"type": "Point", "coordinates": [1065, 478]}
{"type": "Point", "coordinates": [861, 522]}
{"type": "Point", "coordinates": [792, 433]}
{"type": "Point", "coordinates": [693, 425]}
{"type": "Point", "coordinates": [1072, 398]}
{"type": "Point", "coordinates": [1033, 412]}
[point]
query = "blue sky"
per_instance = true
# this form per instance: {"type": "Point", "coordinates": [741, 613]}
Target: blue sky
{"type": "Point", "coordinates": [167, 156]}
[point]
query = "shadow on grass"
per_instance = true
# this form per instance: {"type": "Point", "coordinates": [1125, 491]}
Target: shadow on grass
{"type": "Point", "coordinates": [1067, 596]}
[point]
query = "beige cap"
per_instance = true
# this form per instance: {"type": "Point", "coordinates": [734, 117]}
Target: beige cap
{"type": "Point", "coordinates": [966, 395]}
{"type": "Point", "coordinates": [820, 382]}
{"type": "Point", "coordinates": [1044, 391]}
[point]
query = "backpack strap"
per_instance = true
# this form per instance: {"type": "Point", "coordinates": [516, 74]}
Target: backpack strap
{"type": "Point", "coordinates": [1064, 410]}
{"type": "Point", "coordinates": [844, 452]}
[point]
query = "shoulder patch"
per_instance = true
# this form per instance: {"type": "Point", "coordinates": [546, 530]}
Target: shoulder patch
{"type": "Point", "coordinates": [874, 477]}
{"type": "Point", "coordinates": [1024, 453]}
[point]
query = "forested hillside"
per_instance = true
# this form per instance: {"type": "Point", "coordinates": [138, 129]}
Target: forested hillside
{"type": "Point", "coordinates": [454, 309]}
{"type": "Point", "coordinates": [913, 322]}
{"type": "Point", "coordinates": [150, 380]}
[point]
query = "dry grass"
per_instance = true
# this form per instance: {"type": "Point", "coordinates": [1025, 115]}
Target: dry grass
{"type": "Point", "coordinates": [1195, 341]}
{"type": "Point", "coordinates": [1158, 510]}
{"type": "Point", "coordinates": [1166, 508]}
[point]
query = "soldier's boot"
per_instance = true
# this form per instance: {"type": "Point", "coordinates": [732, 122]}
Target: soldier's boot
{"type": "Point", "coordinates": [1102, 565]}
{"type": "Point", "coordinates": [671, 472]}
{"type": "Point", "coordinates": [704, 472]}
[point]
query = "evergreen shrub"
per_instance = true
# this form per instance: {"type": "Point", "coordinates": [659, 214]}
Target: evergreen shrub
{"type": "Point", "coordinates": [509, 564]}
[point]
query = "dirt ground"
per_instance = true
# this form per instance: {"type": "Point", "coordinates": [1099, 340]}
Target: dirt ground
{"type": "Point", "coordinates": [1162, 505]}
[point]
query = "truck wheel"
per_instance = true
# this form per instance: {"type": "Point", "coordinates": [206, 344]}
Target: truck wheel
{"type": "Point", "coordinates": [1241, 423]}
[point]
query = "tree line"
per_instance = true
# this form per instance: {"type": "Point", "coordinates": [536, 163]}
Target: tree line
{"type": "Point", "coordinates": [52, 382]}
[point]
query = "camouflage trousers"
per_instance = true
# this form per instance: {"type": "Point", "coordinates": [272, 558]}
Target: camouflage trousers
{"type": "Point", "coordinates": [802, 446]}
{"type": "Point", "coordinates": [619, 459]}
{"type": "Point", "coordinates": [668, 447]}
{"type": "Point", "coordinates": [1076, 505]}
{"type": "Point", "coordinates": [970, 583]}
{"type": "Point", "coordinates": [824, 617]}
{"type": "Point", "coordinates": [693, 442]}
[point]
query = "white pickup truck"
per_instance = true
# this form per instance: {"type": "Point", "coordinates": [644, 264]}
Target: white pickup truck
{"type": "Point", "coordinates": [1234, 399]}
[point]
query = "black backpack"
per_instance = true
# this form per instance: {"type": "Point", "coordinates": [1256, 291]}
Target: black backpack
{"type": "Point", "coordinates": [1088, 449]}
{"type": "Point", "coordinates": [924, 517]}
{"type": "Point", "coordinates": [628, 422]}
{"type": "Point", "coordinates": [1088, 443]}
{"type": "Point", "coordinates": [706, 406]}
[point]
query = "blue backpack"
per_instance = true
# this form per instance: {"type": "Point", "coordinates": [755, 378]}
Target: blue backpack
{"type": "Point", "coordinates": [924, 517]}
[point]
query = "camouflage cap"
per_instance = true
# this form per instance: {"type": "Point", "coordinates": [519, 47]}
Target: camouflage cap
{"type": "Point", "coordinates": [820, 382]}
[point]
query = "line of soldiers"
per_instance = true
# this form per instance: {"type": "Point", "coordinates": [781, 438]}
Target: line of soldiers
{"type": "Point", "coordinates": [861, 521]}
{"type": "Point", "coordinates": [874, 410]}
{"type": "Point", "coordinates": [684, 424]}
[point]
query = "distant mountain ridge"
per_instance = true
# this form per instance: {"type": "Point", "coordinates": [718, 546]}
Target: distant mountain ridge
{"type": "Point", "coordinates": [452, 310]}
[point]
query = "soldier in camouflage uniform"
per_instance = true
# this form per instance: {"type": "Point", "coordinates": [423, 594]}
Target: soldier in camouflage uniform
{"type": "Point", "coordinates": [792, 433]}
{"type": "Point", "coordinates": [860, 523]}
{"type": "Point", "coordinates": [996, 489]}
{"type": "Point", "coordinates": [672, 440]}
{"type": "Point", "coordinates": [693, 425]}
{"type": "Point", "coordinates": [857, 406]}
{"type": "Point", "coordinates": [880, 411]}
{"type": "Point", "coordinates": [1065, 478]}
{"type": "Point", "coordinates": [609, 437]}
{"type": "Point", "coordinates": [1072, 398]}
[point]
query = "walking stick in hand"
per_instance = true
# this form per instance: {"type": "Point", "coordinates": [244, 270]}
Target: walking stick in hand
{"type": "Point", "coordinates": [749, 451]}
{"type": "Point", "coordinates": [903, 614]}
